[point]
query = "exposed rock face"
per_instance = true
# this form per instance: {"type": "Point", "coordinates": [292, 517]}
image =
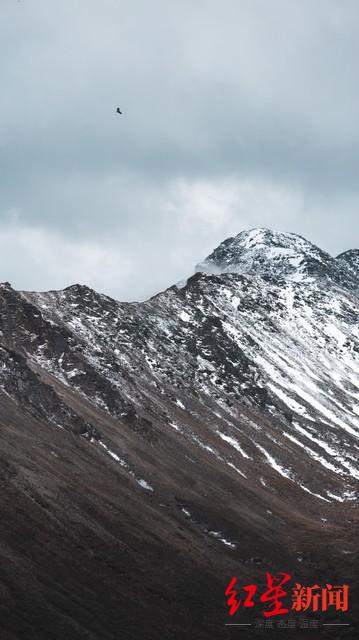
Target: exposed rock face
{"type": "Point", "coordinates": [350, 259]}
{"type": "Point", "coordinates": [165, 446]}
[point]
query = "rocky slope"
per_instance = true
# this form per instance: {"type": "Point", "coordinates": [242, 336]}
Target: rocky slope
{"type": "Point", "coordinates": [159, 448]}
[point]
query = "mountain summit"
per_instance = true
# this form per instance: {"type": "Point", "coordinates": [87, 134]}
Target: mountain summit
{"type": "Point", "coordinates": [280, 255]}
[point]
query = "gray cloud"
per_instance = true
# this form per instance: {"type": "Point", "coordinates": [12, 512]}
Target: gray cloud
{"type": "Point", "coordinates": [236, 114]}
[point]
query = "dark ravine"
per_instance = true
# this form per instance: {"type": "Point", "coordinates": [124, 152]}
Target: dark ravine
{"type": "Point", "coordinates": [151, 451]}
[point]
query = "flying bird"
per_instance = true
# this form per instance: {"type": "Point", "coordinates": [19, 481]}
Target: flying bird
{"type": "Point", "coordinates": [118, 110]}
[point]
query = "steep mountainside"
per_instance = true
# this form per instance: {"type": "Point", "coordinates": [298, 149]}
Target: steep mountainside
{"type": "Point", "coordinates": [159, 448]}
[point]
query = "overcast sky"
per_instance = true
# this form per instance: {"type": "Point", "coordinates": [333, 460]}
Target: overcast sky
{"type": "Point", "coordinates": [236, 114]}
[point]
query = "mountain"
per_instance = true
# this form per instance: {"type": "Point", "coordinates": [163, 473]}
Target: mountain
{"type": "Point", "coordinates": [151, 451]}
{"type": "Point", "coordinates": [282, 255]}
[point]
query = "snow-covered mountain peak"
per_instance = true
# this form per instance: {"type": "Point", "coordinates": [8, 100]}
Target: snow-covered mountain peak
{"type": "Point", "coordinates": [277, 254]}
